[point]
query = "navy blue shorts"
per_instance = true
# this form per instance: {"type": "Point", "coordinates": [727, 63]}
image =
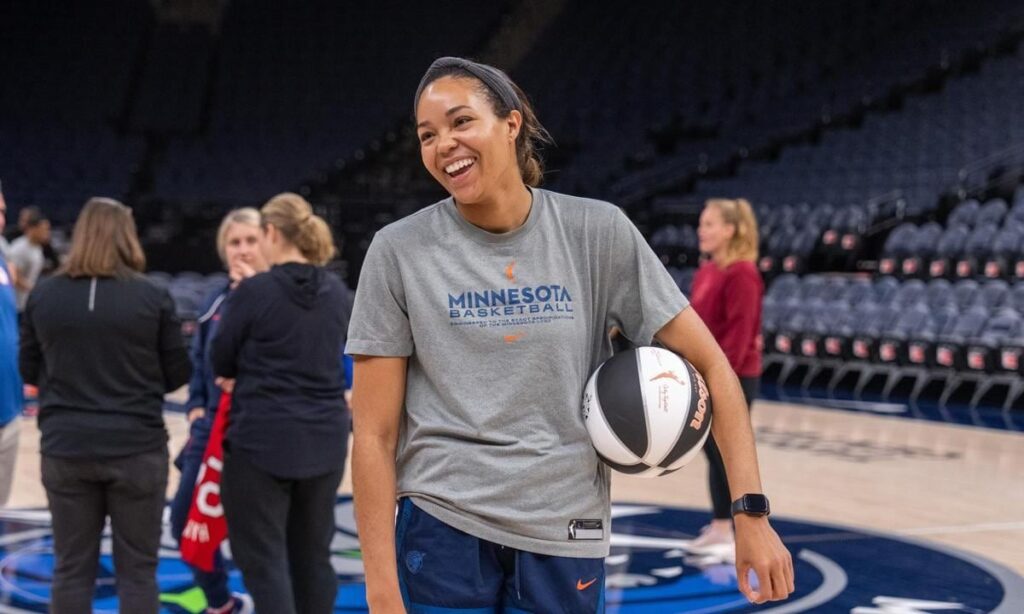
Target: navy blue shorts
{"type": "Point", "coordinates": [442, 569]}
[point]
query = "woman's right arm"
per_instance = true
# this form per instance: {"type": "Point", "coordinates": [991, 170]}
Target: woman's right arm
{"type": "Point", "coordinates": [378, 395]}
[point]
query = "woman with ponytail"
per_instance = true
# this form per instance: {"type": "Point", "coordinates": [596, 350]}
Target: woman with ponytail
{"type": "Point", "coordinates": [279, 348]}
{"type": "Point", "coordinates": [477, 323]}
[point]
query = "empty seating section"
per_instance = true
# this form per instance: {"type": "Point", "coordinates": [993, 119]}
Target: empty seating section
{"type": "Point", "coordinates": [885, 58]}
{"type": "Point", "coordinates": [628, 124]}
{"type": "Point", "coordinates": [918, 150]}
{"type": "Point", "coordinates": [66, 76]}
{"type": "Point", "coordinates": [300, 85]}
{"type": "Point", "coordinates": [977, 240]}
{"type": "Point", "coordinates": [827, 329]}
{"type": "Point", "coordinates": [773, 69]}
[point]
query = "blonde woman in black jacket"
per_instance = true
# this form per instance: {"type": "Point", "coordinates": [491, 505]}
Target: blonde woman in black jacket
{"type": "Point", "coordinates": [103, 344]}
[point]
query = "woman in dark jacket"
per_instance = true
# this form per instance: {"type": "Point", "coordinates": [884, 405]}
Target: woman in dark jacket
{"type": "Point", "coordinates": [104, 345]}
{"type": "Point", "coordinates": [281, 340]}
{"type": "Point", "coordinates": [238, 244]}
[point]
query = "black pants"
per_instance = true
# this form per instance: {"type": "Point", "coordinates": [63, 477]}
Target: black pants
{"type": "Point", "coordinates": [718, 483]}
{"type": "Point", "coordinates": [280, 532]}
{"type": "Point", "coordinates": [81, 494]}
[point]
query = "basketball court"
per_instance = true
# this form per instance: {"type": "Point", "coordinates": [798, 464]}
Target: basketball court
{"type": "Point", "coordinates": [882, 514]}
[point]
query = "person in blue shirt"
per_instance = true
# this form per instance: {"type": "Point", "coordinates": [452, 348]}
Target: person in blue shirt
{"type": "Point", "coordinates": [10, 379]}
{"type": "Point", "coordinates": [238, 244]}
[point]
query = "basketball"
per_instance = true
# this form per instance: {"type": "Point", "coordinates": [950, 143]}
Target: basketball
{"type": "Point", "coordinates": [648, 412]}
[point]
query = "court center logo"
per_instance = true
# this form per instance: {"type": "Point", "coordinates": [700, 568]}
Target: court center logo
{"type": "Point", "coordinates": [651, 570]}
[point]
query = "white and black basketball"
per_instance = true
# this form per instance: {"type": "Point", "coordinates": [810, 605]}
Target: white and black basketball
{"type": "Point", "coordinates": [648, 411]}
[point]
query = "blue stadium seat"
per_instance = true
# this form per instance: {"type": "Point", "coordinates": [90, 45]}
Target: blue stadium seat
{"type": "Point", "coordinates": [964, 214]}
{"type": "Point", "coordinates": [782, 288]}
{"type": "Point", "coordinates": [921, 251]}
{"type": "Point", "coordinates": [951, 349]}
{"type": "Point", "coordinates": [804, 241]}
{"type": "Point", "coordinates": [1006, 247]}
{"type": "Point", "coordinates": [920, 346]}
{"type": "Point", "coordinates": [897, 247]}
{"type": "Point", "coordinates": [940, 293]}
{"type": "Point", "coordinates": [160, 278]}
{"type": "Point", "coordinates": [828, 318]}
{"type": "Point", "coordinates": [792, 325]}
{"type": "Point", "coordinates": [885, 289]}
{"type": "Point", "coordinates": [864, 344]}
{"type": "Point", "coordinates": [856, 291]}
{"type": "Point", "coordinates": [948, 250]}
{"type": "Point", "coordinates": [1016, 214]}
{"type": "Point", "coordinates": [909, 293]}
{"type": "Point", "coordinates": [992, 294]}
{"type": "Point", "coordinates": [976, 250]}
{"type": "Point", "coordinates": [1015, 298]}
{"type": "Point", "coordinates": [965, 291]}
{"type": "Point", "coordinates": [983, 350]}
{"type": "Point", "coordinates": [892, 346]}
{"type": "Point", "coordinates": [991, 213]}
{"type": "Point", "coordinates": [816, 288]}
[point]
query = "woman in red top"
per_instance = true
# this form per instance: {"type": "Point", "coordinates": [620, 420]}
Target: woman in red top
{"type": "Point", "coordinates": [727, 292]}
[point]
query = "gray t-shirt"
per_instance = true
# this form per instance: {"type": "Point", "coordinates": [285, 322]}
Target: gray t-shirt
{"type": "Point", "coordinates": [28, 258]}
{"type": "Point", "coordinates": [502, 332]}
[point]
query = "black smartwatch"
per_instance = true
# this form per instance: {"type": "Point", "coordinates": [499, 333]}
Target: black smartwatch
{"type": "Point", "coordinates": [752, 505]}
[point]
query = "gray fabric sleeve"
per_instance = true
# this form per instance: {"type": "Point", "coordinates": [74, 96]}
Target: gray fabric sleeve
{"type": "Point", "coordinates": [380, 315]}
{"type": "Point", "coordinates": [19, 256]}
{"type": "Point", "coordinates": [643, 297]}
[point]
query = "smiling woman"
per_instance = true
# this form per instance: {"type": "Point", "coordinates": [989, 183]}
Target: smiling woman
{"type": "Point", "coordinates": [471, 358]}
{"type": "Point", "coordinates": [479, 138]}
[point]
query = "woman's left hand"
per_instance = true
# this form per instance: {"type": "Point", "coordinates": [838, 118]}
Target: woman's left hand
{"type": "Point", "coordinates": [227, 384]}
{"type": "Point", "coordinates": [759, 548]}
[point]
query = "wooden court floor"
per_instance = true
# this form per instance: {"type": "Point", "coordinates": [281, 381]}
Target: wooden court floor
{"type": "Point", "coordinates": [953, 485]}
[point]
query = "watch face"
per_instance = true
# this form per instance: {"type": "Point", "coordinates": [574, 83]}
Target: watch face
{"type": "Point", "coordinates": [755, 504]}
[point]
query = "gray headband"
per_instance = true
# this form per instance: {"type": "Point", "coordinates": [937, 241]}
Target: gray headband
{"type": "Point", "coordinates": [495, 80]}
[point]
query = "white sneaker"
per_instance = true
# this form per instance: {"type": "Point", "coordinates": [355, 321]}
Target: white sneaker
{"type": "Point", "coordinates": [712, 537]}
{"type": "Point", "coordinates": [240, 604]}
{"type": "Point", "coordinates": [243, 604]}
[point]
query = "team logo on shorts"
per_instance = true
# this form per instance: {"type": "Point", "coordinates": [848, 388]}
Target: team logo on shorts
{"type": "Point", "coordinates": [651, 569]}
{"type": "Point", "coordinates": [414, 561]}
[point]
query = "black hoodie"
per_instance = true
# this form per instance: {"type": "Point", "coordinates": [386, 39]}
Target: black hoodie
{"type": "Point", "coordinates": [281, 336]}
{"type": "Point", "coordinates": [103, 352]}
